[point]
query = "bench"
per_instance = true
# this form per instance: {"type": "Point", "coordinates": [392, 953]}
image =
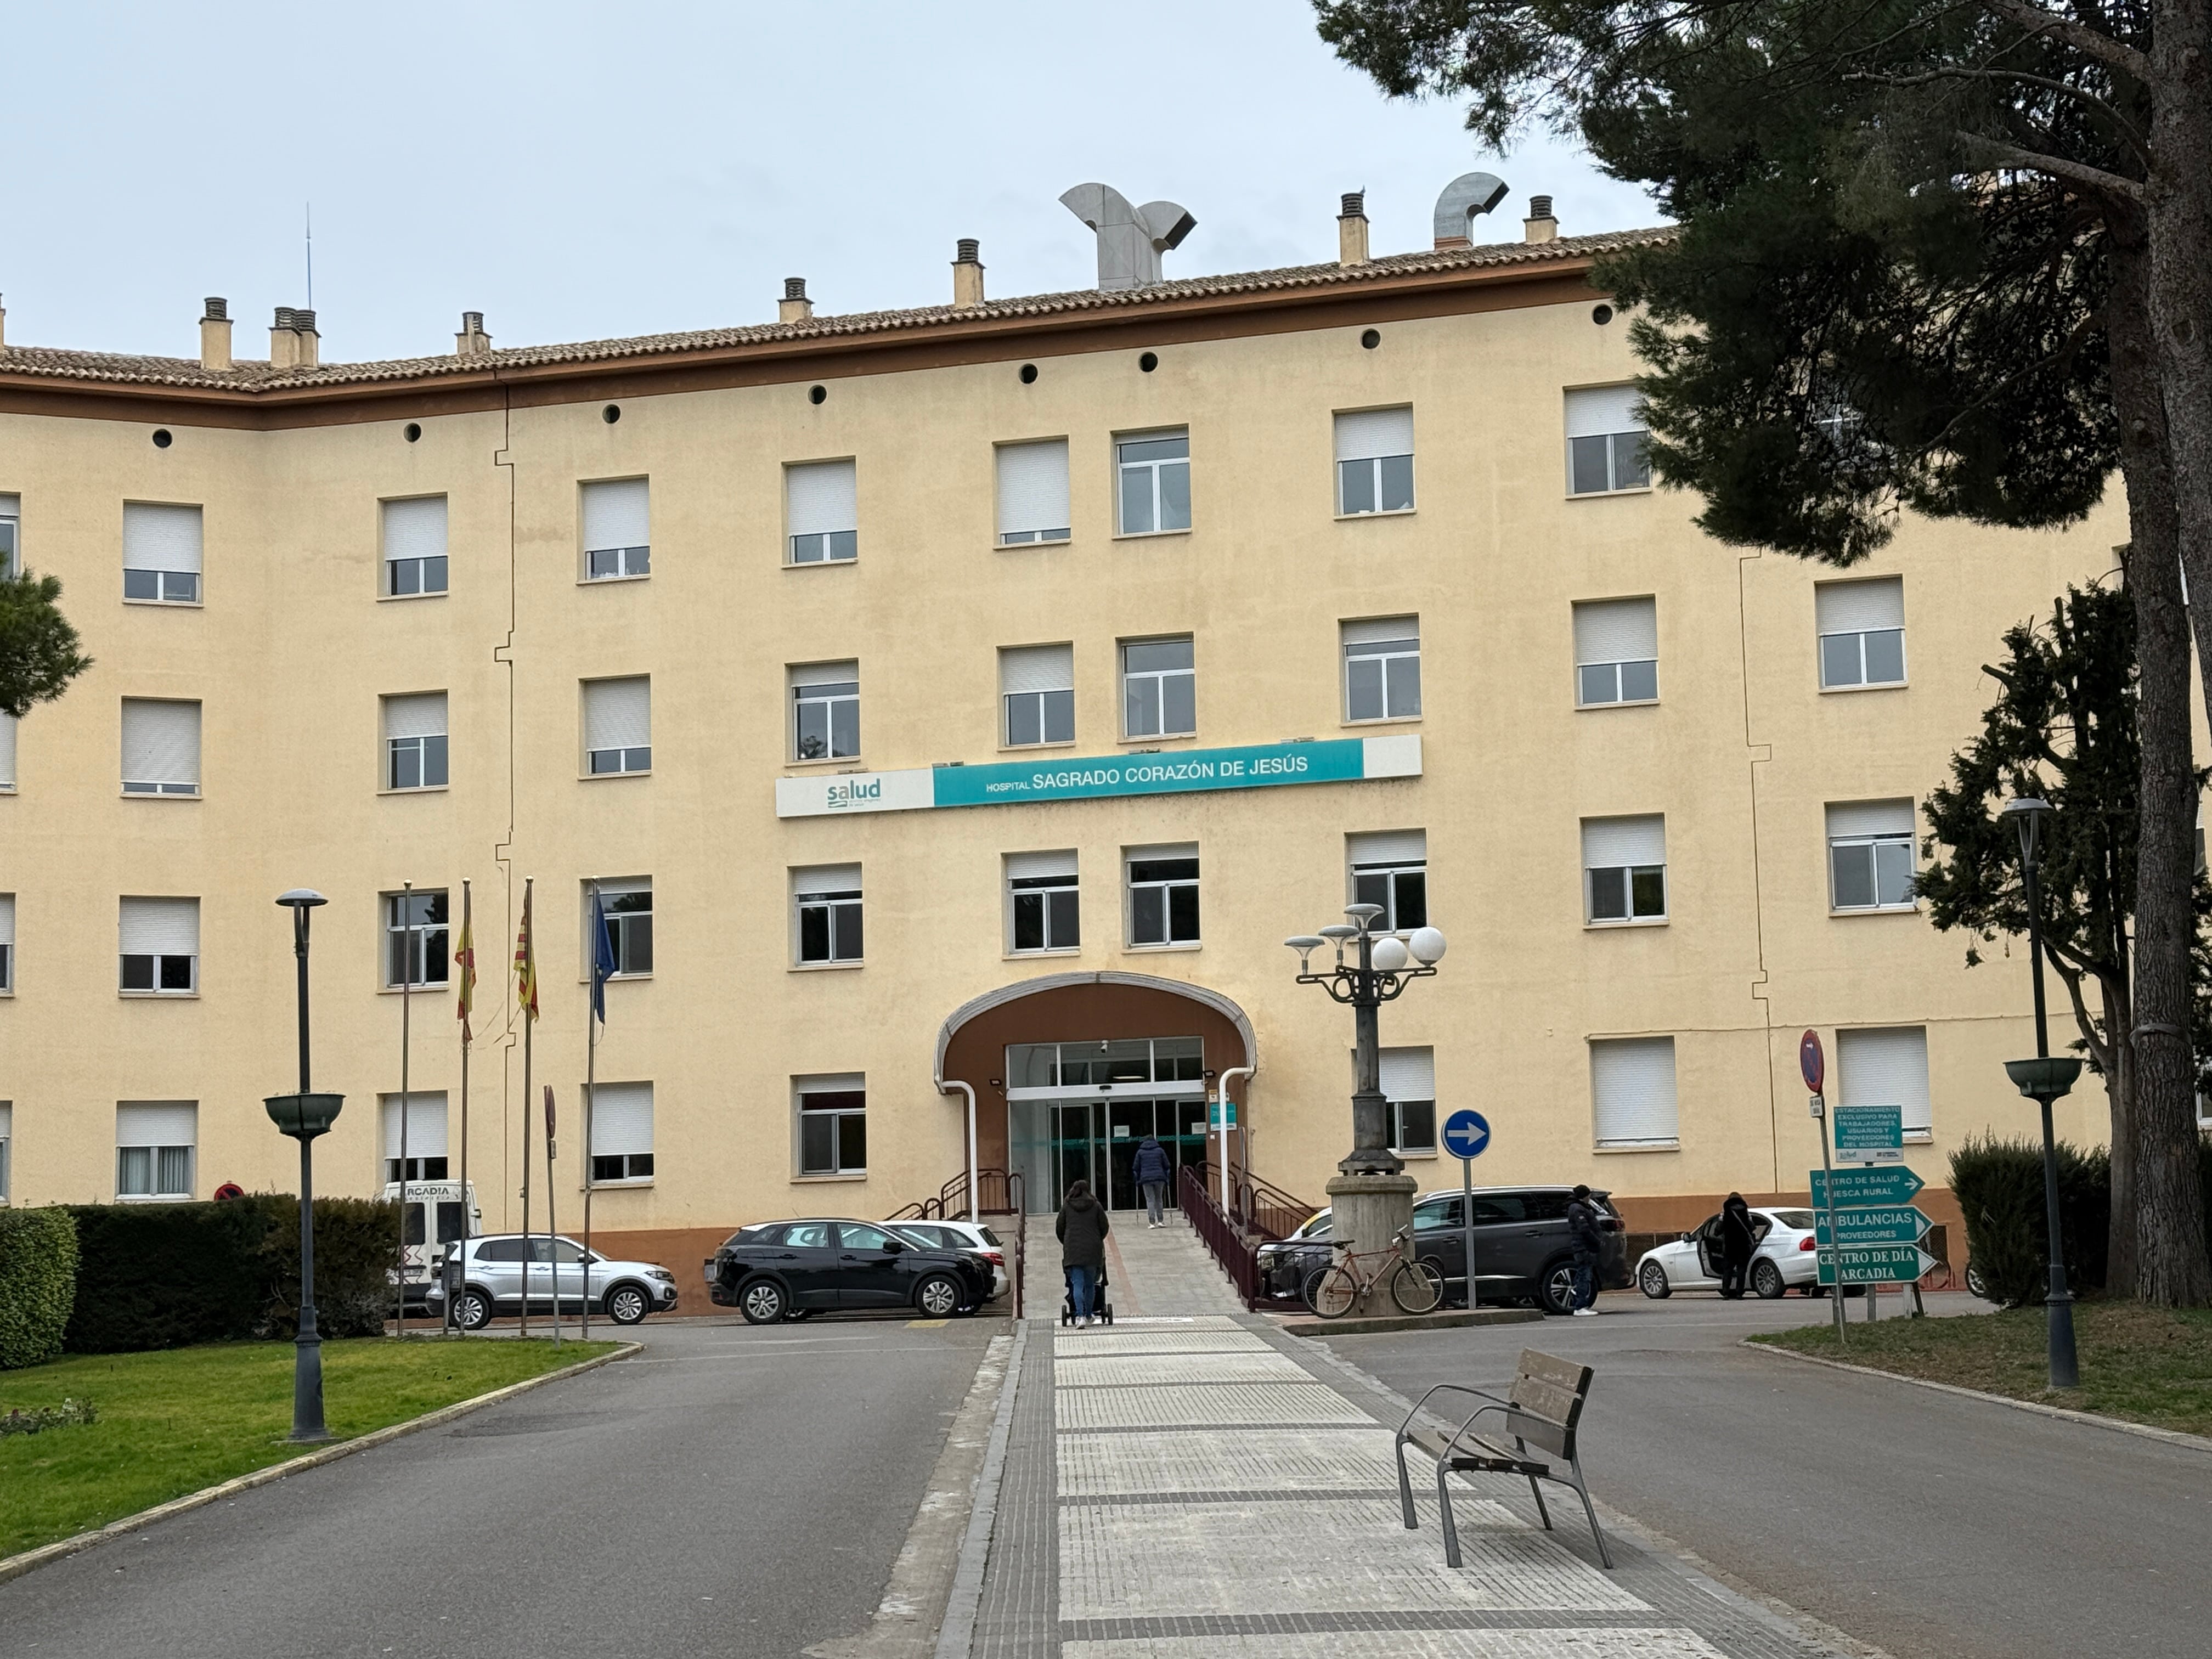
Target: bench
{"type": "Point", "coordinates": [1535, 1438]}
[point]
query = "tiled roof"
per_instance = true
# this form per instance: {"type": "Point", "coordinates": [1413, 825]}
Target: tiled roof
{"type": "Point", "coordinates": [118, 369]}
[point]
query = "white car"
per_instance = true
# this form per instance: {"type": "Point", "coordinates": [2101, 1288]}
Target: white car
{"type": "Point", "coordinates": [960, 1236]}
{"type": "Point", "coordinates": [1786, 1258]}
{"type": "Point", "coordinates": [493, 1265]}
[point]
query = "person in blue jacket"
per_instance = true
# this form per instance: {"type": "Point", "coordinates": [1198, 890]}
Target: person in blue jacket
{"type": "Point", "coordinates": [1155, 1168]}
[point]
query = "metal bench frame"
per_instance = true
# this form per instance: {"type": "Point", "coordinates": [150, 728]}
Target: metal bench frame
{"type": "Point", "coordinates": [1542, 1410]}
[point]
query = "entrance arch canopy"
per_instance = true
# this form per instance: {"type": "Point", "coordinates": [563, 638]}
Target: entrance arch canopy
{"type": "Point", "coordinates": [1073, 1007]}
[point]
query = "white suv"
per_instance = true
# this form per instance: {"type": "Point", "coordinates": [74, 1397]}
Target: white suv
{"type": "Point", "coordinates": [492, 1269]}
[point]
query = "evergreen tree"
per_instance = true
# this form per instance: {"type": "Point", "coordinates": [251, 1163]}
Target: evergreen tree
{"type": "Point", "coordinates": [37, 647]}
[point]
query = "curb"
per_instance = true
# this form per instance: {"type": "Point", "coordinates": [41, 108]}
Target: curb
{"type": "Point", "coordinates": [956, 1636]}
{"type": "Point", "coordinates": [1373, 1324]}
{"type": "Point", "coordinates": [2171, 1437]}
{"type": "Point", "coordinates": [15, 1566]}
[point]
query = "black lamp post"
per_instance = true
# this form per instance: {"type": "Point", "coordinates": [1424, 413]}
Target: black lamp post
{"type": "Point", "coordinates": [303, 1116]}
{"type": "Point", "coordinates": [1380, 974]}
{"type": "Point", "coordinates": [2043, 1080]}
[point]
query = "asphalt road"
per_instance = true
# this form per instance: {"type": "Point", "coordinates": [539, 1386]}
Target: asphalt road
{"type": "Point", "coordinates": [1932, 1526]}
{"type": "Point", "coordinates": [734, 1491]}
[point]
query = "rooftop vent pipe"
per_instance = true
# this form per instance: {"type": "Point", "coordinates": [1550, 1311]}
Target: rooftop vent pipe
{"type": "Point", "coordinates": [968, 273]}
{"type": "Point", "coordinates": [794, 306]}
{"type": "Point", "coordinates": [1469, 194]}
{"type": "Point", "coordinates": [1540, 226]}
{"type": "Point", "coordinates": [1130, 238]}
{"type": "Point", "coordinates": [3, 328]}
{"type": "Point", "coordinates": [293, 341]}
{"type": "Point", "coordinates": [1352, 229]}
{"type": "Point", "coordinates": [214, 332]}
{"type": "Point", "coordinates": [472, 341]}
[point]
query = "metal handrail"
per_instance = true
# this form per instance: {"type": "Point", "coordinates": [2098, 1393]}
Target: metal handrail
{"type": "Point", "coordinates": [1258, 1206]}
{"type": "Point", "coordinates": [1238, 1258]}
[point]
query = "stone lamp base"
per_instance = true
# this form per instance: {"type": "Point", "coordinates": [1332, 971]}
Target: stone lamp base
{"type": "Point", "coordinates": [1369, 1210]}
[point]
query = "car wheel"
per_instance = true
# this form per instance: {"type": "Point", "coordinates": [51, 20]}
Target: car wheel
{"type": "Point", "coordinates": [628, 1304]}
{"type": "Point", "coordinates": [763, 1301]}
{"type": "Point", "coordinates": [473, 1312]}
{"type": "Point", "coordinates": [938, 1297]}
{"type": "Point", "coordinates": [1555, 1290]}
{"type": "Point", "coordinates": [1651, 1279]}
{"type": "Point", "coordinates": [1976, 1284]}
{"type": "Point", "coordinates": [1767, 1281]}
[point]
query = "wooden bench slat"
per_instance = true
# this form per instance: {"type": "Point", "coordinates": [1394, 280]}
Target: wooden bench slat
{"type": "Point", "coordinates": [1540, 1398]}
{"type": "Point", "coordinates": [1561, 1373]}
{"type": "Point", "coordinates": [1555, 1438]}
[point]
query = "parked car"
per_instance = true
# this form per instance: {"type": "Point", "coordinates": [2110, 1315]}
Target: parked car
{"type": "Point", "coordinates": [456, 1216]}
{"type": "Point", "coordinates": [1786, 1258]}
{"type": "Point", "coordinates": [1521, 1251]}
{"type": "Point", "coordinates": [492, 1268]}
{"type": "Point", "coordinates": [782, 1269]}
{"type": "Point", "coordinates": [960, 1236]}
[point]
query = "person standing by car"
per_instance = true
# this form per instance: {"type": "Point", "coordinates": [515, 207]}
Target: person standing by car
{"type": "Point", "coordinates": [1582, 1234]}
{"type": "Point", "coordinates": [1081, 1229]}
{"type": "Point", "coordinates": [1738, 1244]}
{"type": "Point", "coordinates": [1154, 1169]}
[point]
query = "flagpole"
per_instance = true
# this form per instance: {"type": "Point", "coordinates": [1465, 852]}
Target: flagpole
{"type": "Point", "coordinates": [468, 966]}
{"type": "Point", "coordinates": [591, 1085]}
{"type": "Point", "coordinates": [522, 966]}
{"type": "Point", "coordinates": [552, 1232]}
{"type": "Point", "coordinates": [407, 943]}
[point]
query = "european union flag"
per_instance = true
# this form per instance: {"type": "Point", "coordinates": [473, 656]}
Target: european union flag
{"type": "Point", "coordinates": [602, 957]}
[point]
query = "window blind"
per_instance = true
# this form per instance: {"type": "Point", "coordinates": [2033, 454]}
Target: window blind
{"type": "Point", "coordinates": [1611, 843]}
{"type": "Point", "coordinates": [830, 1083]}
{"type": "Point", "coordinates": [1030, 866]}
{"type": "Point", "coordinates": [414, 529]}
{"type": "Point", "coordinates": [1389, 847]}
{"type": "Point", "coordinates": [1616, 630]}
{"type": "Point", "coordinates": [160, 742]}
{"type": "Point", "coordinates": [1869, 817]}
{"type": "Point", "coordinates": [1033, 487]}
{"type": "Point", "coordinates": [426, 1124]}
{"type": "Point", "coordinates": [1372, 433]}
{"type": "Point", "coordinates": [821, 497]}
{"type": "Point", "coordinates": [1593, 411]}
{"type": "Point", "coordinates": [420, 715]}
{"type": "Point", "coordinates": [618, 888]}
{"type": "Point", "coordinates": [1407, 1073]}
{"type": "Point", "coordinates": [826, 674]}
{"type": "Point", "coordinates": [7, 919]}
{"type": "Point", "coordinates": [1632, 1091]}
{"type": "Point", "coordinates": [156, 538]}
{"type": "Point", "coordinates": [1888, 1068]}
{"type": "Point", "coordinates": [1382, 630]}
{"type": "Point", "coordinates": [826, 878]}
{"type": "Point", "coordinates": [1037, 668]}
{"type": "Point", "coordinates": [1860, 607]}
{"type": "Point", "coordinates": [160, 927]}
{"type": "Point", "coordinates": [618, 714]}
{"type": "Point", "coordinates": [622, 1119]}
{"type": "Point", "coordinates": [157, 1122]}
{"type": "Point", "coordinates": [7, 751]}
{"type": "Point", "coordinates": [617, 514]}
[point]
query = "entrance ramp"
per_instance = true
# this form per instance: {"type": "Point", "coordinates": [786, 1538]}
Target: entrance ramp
{"type": "Point", "coordinates": [1163, 1272]}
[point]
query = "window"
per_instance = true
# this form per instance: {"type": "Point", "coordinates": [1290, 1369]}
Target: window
{"type": "Point", "coordinates": [1888, 1068]}
{"type": "Point", "coordinates": [1625, 869]}
{"type": "Point", "coordinates": [1409, 1083]}
{"type": "Point", "coordinates": [1119, 1059]}
{"type": "Point", "coordinates": [7, 942]}
{"type": "Point", "coordinates": [414, 546]}
{"type": "Point", "coordinates": [1862, 626]}
{"type": "Point", "coordinates": [159, 945]}
{"type": "Point", "coordinates": [11, 535]}
{"type": "Point", "coordinates": [1155, 483]}
{"type": "Point", "coordinates": [160, 553]}
{"type": "Point", "coordinates": [1159, 689]}
{"type": "Point", "coordinates": [425, 1144]}
{"type": "Point", "coordinates": [621, 1132]}
{"type": "Point", "coordinates": [1391, 869]}
{"type": "Point", "coordinates": [415, 741]}
{"type": "Point", "coordinates": [1036, 685]}
{"type": "Point", "coordinates": [617, 537]}
{"type": "Point", "coordinates": [1033, 492]}
{"type": "Point", "coordinates": [161, 747]}
{"type": "Point", "coordinates": [1044, 903]}
{"type": "Point", "coordinates": [833, 1124]}
{"type": "Point", "coordinates": [415, 939]}
{"type": "Point", "coordinates": [154, 1143]}
{"type": "Point", "coordinates": [822, 500]}
{"type": "Point", "coordinates": [6, 1135]}
{"type": "Point", "coordinates": [826, 903]}
{"type": "Point", "coordinates": [1382, 669]}
{"type": "Point", "coordinates": [1375, 461]}
{"type": "Point", "coordinates": [7, 752]}
{"type": "Point", "coordinates": [1616, 651]}
{"type": "Point", "coordinates": [825, 717]}
{"type": "Point", "coordinates": [618, 726]}
{"type": "Point", "coordinates": [1870, 855]}
{"type": "Point", "coordinates": [1605, 441]}
{"type": "Point", "coordinates": [629, 907]}
{"type": "Point", "coordinates": [1632, 1093]}
{"type": "Point", "coordinates": [1163, 896]}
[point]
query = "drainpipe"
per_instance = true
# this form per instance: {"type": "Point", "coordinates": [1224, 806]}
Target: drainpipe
{"type": "Point", "coordinates": [975, 1198]}
{"type": "Point", "coordinates": [1244, 1072]}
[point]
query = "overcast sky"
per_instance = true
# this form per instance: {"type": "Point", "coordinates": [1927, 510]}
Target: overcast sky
{"type": "Point", "coordinates": [578, 172]}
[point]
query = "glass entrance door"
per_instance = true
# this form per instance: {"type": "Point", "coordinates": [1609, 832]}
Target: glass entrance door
{"type": "Point", "coordinates": [1077, 1130]}
{"type": "Point", "coordinates": [1180, 1127]}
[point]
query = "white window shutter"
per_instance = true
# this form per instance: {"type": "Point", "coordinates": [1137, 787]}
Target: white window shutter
{"type": "Point", "coordinates": [157, 1122]}
{"type": "Point", "coordinates": [1860, 607]}
{"type": "Point", "coordinates": [1632, 1091]}
{"type": "Point", "coordinates": [414, 529]}
{"type": "Point", "coordinates": [1610, 843]}
{"type": "Point", "coordinates": [1594, 411]}
{"type": "Point", "coordinates": [622, 1119]}
{"type": "Point", "coordinates": [1373, 432]}
{"type": "Point", "coordinates": [1389, 847]}
{"type": "Point", "coordinates": [1037, 668]}
{"type": "Point", "coordinates": [159, 927]}
{"type": "Point", "coordinates": [1886, 1068]}
{"type": "Point", "coordinates": [426, 1124]}
{"type": "Point", "coordinates": [618, 714]}
{"type": "Point", "coordinates": [611, 889]}
{"type": "Point", "coordinates": [1869, 817]}
{"type": "Point", "coordinates": [7, 751]}
{"type": "Point", "coordinates": [7, 919]}
{"type": "Point", "coordinates": [617, 514]}
{"type": "Point", "coordinates": [160, 742]}
{"type": "Point", "coordinates": [1029, 866]}
{"type": "Point", "coordinates": [826, 674]}
{"type": "Point", "coordinates": [821, 497]}
{"type": "Point", "coordinates": [1407, 1073]}
{"type": "Point", "coordinates": [826, 878]}
{"type": "Point", "coordinates": [1032, 487]}
{"type": "Point", "coordinates": [1616, 630]}
{"type": "Point", "coordinates": [1383, 630]}
{"type": "Point", "coordinates": [156, 538]}
{"type": "Point", "coordinates": [420, 715]}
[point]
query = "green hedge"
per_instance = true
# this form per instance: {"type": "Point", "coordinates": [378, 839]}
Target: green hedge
{"type": "Point", "coordinates": [38, 1283]}
{"type": "Point", "coordinates": [1999, 1187]}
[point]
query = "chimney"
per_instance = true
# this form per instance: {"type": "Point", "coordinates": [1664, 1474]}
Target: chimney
{"type": "Point", "coordinates": [1352, 229]}
{"type": "Point", "coordinates": [968, 273]}
{"type": "Point", "coordinates": [472, 341]}
{"type": "Point", "coordinates": [1540, 226]}
{"type": "Point", "coordinates": [293, 341]}
{"type": "Point", "coordinates": [3, 328]}
{"type": "Point", "coordinates": [214, 333]}
{"type": "Point", "coordinates": [796, 307]}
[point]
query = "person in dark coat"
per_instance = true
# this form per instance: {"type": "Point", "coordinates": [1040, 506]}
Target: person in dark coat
{"type": "Point", "coordinates": [1582, 1234]}
{"type": "Point", "coordinates": [1155, 1168]}
{"type": "Point", "coordinates": [1738, 1241]}
{"type": "Point", "coordinates": [1081, 1229]}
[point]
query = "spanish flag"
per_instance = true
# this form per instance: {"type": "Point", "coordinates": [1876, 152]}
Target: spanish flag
{"type": "Point", "coordinates": [467, 958]}
{"type": "Point", "coordinates": [525, 962]}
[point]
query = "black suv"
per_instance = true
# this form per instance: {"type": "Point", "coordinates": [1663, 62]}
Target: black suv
{"type": "Point", "coordinates": [1521, 1251]}
{"type": "Point", "coordinates": [789, 1269]}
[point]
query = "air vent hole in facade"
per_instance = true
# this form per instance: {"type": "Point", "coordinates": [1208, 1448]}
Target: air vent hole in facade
{"type": "Point", "coordinates": [413, 433]}
{"type": "Point", "coordinates": [1029, 373]}
{"type": "Point", "coordinates": [1372, 338]}
{"type": "Point", "coordinates": [1148, 362]}
{"type": "Point", "coordinates": [161, 438]}
{"type": "Point", "coordinates": [1601, 315]}
{"type": "Point", "coordinates": [816, 394]}
{"type": "Point", "coordinates": [612, 413]}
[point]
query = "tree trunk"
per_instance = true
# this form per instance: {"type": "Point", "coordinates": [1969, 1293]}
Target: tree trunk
{"type": "Point", "coordinates": [2121, 1256]}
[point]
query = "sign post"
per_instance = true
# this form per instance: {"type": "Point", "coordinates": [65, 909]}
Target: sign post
{"type": "Point", "coordinates": [1813, 1067]}
{"type": "Point", "coordinates": [1467, 1133]}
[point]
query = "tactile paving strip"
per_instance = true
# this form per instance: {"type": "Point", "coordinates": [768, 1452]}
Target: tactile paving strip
{"type": "Point", "coordinates": [1195, 1405]}
{"type": "Point", "coordinates": [1082, 1371]}
{"type": "Point", "coordinates": [1623, 1643]}
{"type": "Point", "coordinates": [1172, 1461]}
{"type": "Point", "coordinates": [1072, 1344]}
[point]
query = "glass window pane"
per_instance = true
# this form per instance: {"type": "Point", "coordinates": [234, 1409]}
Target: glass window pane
{"type": "Point", "coordinates": [134, 1171]}
{"type": "Point", "coordinates": [137, 973]}
{"type": "Point", "coordinates": [635, 955]}
{"type": "Point", "coordinates": [1599, 682]}
{"type": "Point", "coordinates": [814, 932]}
{"type": "Point", "coordinates": [1648, 890]}
{"type": "Point", "coordinates": [1412, 910]}
{"type": "Point", "coordinates": [1182, 913]}
{"type": "Point", "coordinates": [1024, 718]}
{"type": "Point", "coordinates": [1396, 490]}
{"type": "Point", "coordinates": [605, 563]}
{"type": "Point", "coordinates": [176, 972]}
{"type": "Point", "coordinates": [142, 584]}
{"type": "Point", "coordinates": [844, 543]}
{"type": "Point", "coordinates": [1164, 870]}
{"type": "Point", "coordinates": [1884, 656]}
{"type": "Point", "coordinates": [1839, 659]}
{"type": "Point", "coordinates": [1405, 679]}
{"type": "Point", "coordinates": [1154, 656]}
{"type": "Point", "coordinates": [434, 575]}
{"type": "Point", "coordinates": [434, 763]}
{"type": "Point", "coordinates": [406, 576]}
{"type": "Point", "coordinates": [1136, 500]}
{"type": "Point", "coordinates": [1174, 495]}
{"type": "Point", "coordinates": [1852, 867]}
{"type": "Point", "coordinates": [806, 550]}
{"type": "Point", "coordinates": [1179, 702]}
{"type": "Point", "coordinates": [1586, 468]}
{"type": "Point", "coordinates": [845, 930]}
{"type": "Point", "coordinates": [1639, 682]}
{"type": "Point", "coordinates": [1029, 922]}
{"type": "Point", "coordinates": [1372, 887]}
{"type": "Point", "coordinates": [813, 742]}
{"type": "Point", "coordinates": [1157, 449]}
{"type": "Point", "coordinates": [1148, 916]}
{"type": "Point", "coordinates": [1142, 711]}
{"type": "Point", "coordinates": [1363, 688]}
{"type": "Point", "coordinates": [1894, 872]}
{"type": "Point", "coordinates": [817, 1142]}
{"type": "Point", "coordinates": [173, 1172]}
{"type": "Point", "coordinates": [1059, 716]}
{"type": "Point", "coordinates": [1356, 481]}
{"type": "Point", "coordinates": [1608, 895]}
{"type": "Point", "coordinates": [1066, 929]}
{"type": "Point", "coordinates": [1632, 466]}
{"type": "Point", "coordinates": [1417, 1125]}
{"type": "Point", "coordinates": [845, 727]}
{"type": "Point", "coordinates": [852, 1140]}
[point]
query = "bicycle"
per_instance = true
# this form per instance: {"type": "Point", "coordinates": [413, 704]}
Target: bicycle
{"type": "Point", "coordinates": [1332, 1292]}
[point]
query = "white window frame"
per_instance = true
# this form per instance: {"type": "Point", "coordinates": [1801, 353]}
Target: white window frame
{"type": "Point", "coordinates": [621, 925]}
{"type": "Point", "coordinates": [1873, 845]}
{"type": "Point", "coordinates": [425, 942]}
{"type": "Point", "coordinates": [159, 1157]}
{"type": "Point", "coordinates": [1377, 472]}
{"type": "Point", "coordinates": [631, 562]}
{"type": "Point", "coordinates": [1148, 474]}
{"type": "Point", "coordinates": [1166, 886]}
{"type": "Point", "coordinates": [161, 963]}
{"type": "Point", "coordinates": [423, 1107]}
{"type": "Point", "coordinates": [429, 750]}
{"type": "Point", "coordinates": [1403, 650]}
{"type": "Point", "coordinates": [627, 760]}
{"type": "Point", "coordinates": [1629, 875]}
{"type": "Point", "coordinates": [1392, 1059]}
{"type": "Point", "coordinates": [636, 1167]}
{"type": "Point", "coordinates": [836, 546]}
{"type": "Point", "coordinates": [1620, 462]}
{"type": "Point", "coordinates": [182, 587]}
{"type": "Point", "coordinates": [1049, 535]}
{"type": "Point", "coordinates": [806, 1088]}
{"type": "Point", "coordinates": [832, 694]}
{"type": "Point", "coordinates": [1667, 1143]}
{"type": "Point", "coordinates": [7, 1136]}
{"type": "Point", "coordinates": [1858, 637]}
{"type": "Point", "coordinates": [833, 896]}
{"type": "Point", "coordinates": [11, 549]}
{"type": "Point", "coordinates": [7, 949]}
{"type": "Point", "coordinates": [1853, 1090]}
{"type": "Point", "coordinates": [176, 788]}
{"type": "Point", "coordinates": [418, 566]}
{"type": "Point", "coordinates": [1618, 676]}
{"type": "Point", "coordinates": [1025, 882]}
{"type": "Point", "coordinates": [1042, 703]}
{"type": "Point", "coordinates": [1159, 679]}
{"type": "Point", "coordinates": [1392, 897]}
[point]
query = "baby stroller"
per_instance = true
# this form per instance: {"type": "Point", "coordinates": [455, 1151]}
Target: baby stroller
{"type": "Point", "coordinates": [1101, 1308]}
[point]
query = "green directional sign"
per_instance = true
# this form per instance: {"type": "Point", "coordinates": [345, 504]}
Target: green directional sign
{"type": "Point", "coordinates": [1870, 1134]}
{"type": "Point", "coordinates": [1874, 1264]}
{"type": "Point", "coordinates": [1890, 1224]}
{"type": "Point", "coordinates": [1894, 1184]}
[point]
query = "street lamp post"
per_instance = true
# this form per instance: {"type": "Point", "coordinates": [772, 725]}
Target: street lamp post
{"type": "Point", "coordinates": [1371, 1196]}
{"type": "Point", "coordinates": [303, 1116]}
{"type": "Point", "coordinates": [2043, 1080]}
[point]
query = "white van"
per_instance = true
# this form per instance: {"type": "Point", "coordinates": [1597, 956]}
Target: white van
{"type": "Point", "coordinates": [439, 1212]}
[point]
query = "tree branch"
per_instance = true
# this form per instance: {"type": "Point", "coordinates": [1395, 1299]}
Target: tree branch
{"type": "Point", "coordinates": [2091, 43]}
{"type": "Point", "coordinates": [2127, 130]}
{"type": "Point", "coordinates": [2100, 1051]}
{"type": "Point", "coordinates": [2028, 161]}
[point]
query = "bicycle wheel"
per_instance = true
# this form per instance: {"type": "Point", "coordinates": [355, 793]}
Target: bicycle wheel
{"type": "Point", "coordinates": [1331, 1292]}
{"type": "Point", "coordinates": [1416, 1286]}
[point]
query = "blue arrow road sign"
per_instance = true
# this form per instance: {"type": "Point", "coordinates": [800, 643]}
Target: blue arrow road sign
{"type": "Point", "coordinates": [1888, 1225]}
{"type": "Point", "coordinates": [1894, 1184]}
{"type": "Point", "coordinates": [1466, 1134]}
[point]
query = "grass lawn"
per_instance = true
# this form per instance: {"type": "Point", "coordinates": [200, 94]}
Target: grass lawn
{"type": "Point", "coordinates": [173, 1421]}
{"type": "Point", "coordinates": [2147, 1365]}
